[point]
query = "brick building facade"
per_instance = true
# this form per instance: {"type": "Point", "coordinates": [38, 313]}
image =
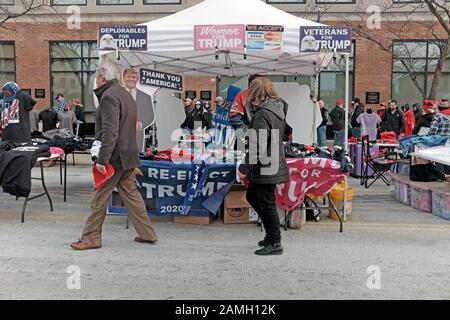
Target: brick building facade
{"type": "Point", "coordinates": [32, 39]}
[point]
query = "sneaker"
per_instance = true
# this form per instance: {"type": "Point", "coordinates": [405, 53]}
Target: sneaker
{"type": "Point", "coordinates": [270, 249]}
{"type": "Point", "coordinates": [82, 245]}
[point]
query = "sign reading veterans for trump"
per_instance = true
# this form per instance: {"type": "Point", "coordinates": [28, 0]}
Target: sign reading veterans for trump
{"type": "Point", "coordinates": [160, 79]}
{"type": "Point", "coordinates": [264, 38]}
{"type": "Point", "coordinates": [133, 38]}
{"type": "Point", "coordinates": [325, 39]}
{"type": "Point", "coordinates": [224, 37]}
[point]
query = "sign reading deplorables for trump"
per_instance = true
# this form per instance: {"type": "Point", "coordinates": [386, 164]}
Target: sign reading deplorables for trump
{"type": "Point", "coordinates": [122, 37]}
{"type": "Point", "coordinates": [325, 39]}
{"type": "Point", "coordinates": [224, 37]}
{"type": "Point", "coordinates": [160, 79]}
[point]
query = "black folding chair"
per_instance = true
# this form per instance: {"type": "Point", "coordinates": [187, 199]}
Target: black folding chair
{"type": "Point", "coordinates": [378, 162]}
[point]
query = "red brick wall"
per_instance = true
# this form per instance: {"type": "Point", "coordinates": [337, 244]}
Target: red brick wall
{"type": "Point", "coordinates": [373, 66]}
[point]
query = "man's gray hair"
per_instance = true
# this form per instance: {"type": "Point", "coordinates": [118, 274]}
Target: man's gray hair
{"type": "Point", "coordinates": [108, 70]}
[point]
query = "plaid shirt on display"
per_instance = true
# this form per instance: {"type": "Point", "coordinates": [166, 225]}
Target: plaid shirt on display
{"type": "Point", "coordinates": [440, 125]}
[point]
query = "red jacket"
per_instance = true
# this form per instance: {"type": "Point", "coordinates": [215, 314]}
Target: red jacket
{"type": "Point", "coordinates": [410, 123]}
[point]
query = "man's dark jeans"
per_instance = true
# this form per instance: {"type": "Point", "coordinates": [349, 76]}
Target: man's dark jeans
{"type": "Point", "coordinates": [262, 198]}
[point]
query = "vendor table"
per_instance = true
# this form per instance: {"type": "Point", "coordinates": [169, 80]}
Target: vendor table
{"type": "Point", "coordinates": [40, 161]}
{"type": "Point", "coordinates": [439, 154]}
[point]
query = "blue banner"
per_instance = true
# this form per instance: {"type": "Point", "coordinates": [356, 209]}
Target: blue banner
{"type": "Point", "coordinates": [325, 39]}
{"type": "Point", "coordinates": [123, 37]}
{"type": "Point", "coordinates": [164, 188]}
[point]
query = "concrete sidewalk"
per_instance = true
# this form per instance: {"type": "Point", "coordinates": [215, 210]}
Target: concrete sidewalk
{"type": "Point", "coordinates": [410, 248]}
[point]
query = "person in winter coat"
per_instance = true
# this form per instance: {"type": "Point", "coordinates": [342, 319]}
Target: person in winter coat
{"type": "Point", "coordinates": [265, 165]}
{"type": "Point", "coordinates": [49, 119]}
{"type": "Point", "coordinates": [201, 116]}
{"type": "Point", "coordinates": [441, 122]}
{"type": "Point", "coordinates": [426, 118]}
{"type": "Point", "coordinates": [337, 116]}
{"type": "Point", "coordinates": [393, 119]}
{"type": "Point", "coordinates": [322, 129]}
{"type": "Point", "coordinates": [115, 127]}
{"type": "Point", "coordinates": [410, 120]}
{"type": "Point", "coordinates": [358, 109]}
{"type": "Point", "coordinates": [418, 111]}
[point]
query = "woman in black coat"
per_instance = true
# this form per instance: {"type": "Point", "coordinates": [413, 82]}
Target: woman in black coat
{"type": "Point", "coordinates": [265, 165]}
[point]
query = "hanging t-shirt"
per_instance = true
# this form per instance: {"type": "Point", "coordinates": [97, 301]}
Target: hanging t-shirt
{"type": "Point", "coordinates": [14, 112]}
{"type": "Point", "coordinates": [369, 123]}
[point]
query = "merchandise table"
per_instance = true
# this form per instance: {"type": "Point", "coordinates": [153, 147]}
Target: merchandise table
{"type": "Point", "coordinates": [40, 160]}
{"type": "Point", "coordinates": [437, 154]}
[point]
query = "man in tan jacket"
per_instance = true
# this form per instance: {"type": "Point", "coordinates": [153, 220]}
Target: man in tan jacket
{"type": "Point", "coordinates": [115, 127]}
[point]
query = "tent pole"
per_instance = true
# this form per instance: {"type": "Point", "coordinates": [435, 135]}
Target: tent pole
{"type": "Point", "coordinates": [347, 82]}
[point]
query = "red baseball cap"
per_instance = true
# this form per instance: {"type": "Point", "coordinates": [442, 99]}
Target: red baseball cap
{"type": "Point", "coordinates": [339, 102]}
{"type": "Point", "coordinates": [100, 178]}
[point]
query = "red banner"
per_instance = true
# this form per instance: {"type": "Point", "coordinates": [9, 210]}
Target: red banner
{"type": "Point", "coordinates": [312, 176]}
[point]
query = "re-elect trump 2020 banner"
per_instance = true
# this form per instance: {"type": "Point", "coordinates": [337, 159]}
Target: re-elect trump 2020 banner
{"type": "Point", "coordinates": [180, 189]}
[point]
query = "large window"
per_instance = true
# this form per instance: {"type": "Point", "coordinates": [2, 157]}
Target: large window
{"type": "Point", "coordinates": [7, 62]}
{"type": "Point", "coordinates": [72, 70]}
{"type": "Point", "coordinates": [69, 2]}
{"type": "Point", "coordinates": [162, 1]}
{"type": "Point", "coordinates": [335, 1]}
{"type": "Point", "coordinates": [332, 81]}
{"type": "Point", "coordinates": [286, 1]}
{"type": "Point", "coordinates": [413, 67]}
{"type": "Point", "coordinates": [114, 2]}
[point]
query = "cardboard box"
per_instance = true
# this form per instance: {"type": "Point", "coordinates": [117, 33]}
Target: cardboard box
{"type": "Point", "coordinates": [236, 209]}
{"type": "Point", "coordinates": [193, 220]}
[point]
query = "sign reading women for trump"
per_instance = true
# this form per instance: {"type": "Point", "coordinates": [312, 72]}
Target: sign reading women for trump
{"type": "Point", "coordinates": [123, 38]}
{"type": "Point", "coordinates": [224, 37]}
{"type": "Point", "coordinates": [325, 39]}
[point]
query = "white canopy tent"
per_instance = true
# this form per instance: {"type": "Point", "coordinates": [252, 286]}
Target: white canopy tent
{"type": "Point", "coordinates": [170, 46]}
{"type": "Point", "coordinates": [171, 43]}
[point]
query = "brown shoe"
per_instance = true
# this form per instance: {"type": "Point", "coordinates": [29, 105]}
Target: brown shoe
{"type": "Point", "coordinates": [81, 245]}
{"type": "Point", "coordinates": [140, 240]}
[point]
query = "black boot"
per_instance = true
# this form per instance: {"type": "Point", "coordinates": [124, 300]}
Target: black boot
{"type": "Point", "coordinates": [270, 249]}
{"type": "Point", "coordinates": [264, 242]}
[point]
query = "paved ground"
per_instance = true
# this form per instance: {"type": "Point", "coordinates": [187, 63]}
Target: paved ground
{"type": "Point", "coordinates": [410, 248]}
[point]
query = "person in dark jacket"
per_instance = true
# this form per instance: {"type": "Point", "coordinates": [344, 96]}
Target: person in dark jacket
{"type": "Point", "coordinates": [426, 118]}
{"type": "Point", "coordinates": [418, 111]}
{"type": "Point", "coordinates": [79, 113]}
{"type": "Point", "coordinates": [265, 165]}
{"type": "Point", "coordinates": [49, 119]}
{"type": "Point", "coordinates": [115, 127]}
{"type": "Point", "coordinates": [393, 119]}
{"type": "Point", "coordinates": [337, 116]}
{"type": "Point", "coordinates": [188, 123]}
{"type": "Point", "coordinates": [322, 129]}
{"type": "Point", "coordinates": [15, 106]}
{"type": "Point", "coordinates": [200, 116]}
{"type": "Point", "coordinates": [358, 109]}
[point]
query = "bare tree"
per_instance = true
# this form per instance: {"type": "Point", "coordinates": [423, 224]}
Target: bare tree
{"type": "Point", "coordinates": [409, 17]}
{"type": "Point", "coordinates": [22, 8]}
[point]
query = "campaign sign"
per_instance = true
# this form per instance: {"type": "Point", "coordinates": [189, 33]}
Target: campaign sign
{"type": "Point", "coordinates": [325, 39]}
{"type": "Point", "coordinates": [264, 38]}
{"type": "Point", "coordinates": [160, 79]}
{"type": "Point", "coordinates": [224, 37]}
{"type": "Point", "coordinates": [164, 188]}
{"type": "Point", "coordinates": [123, 37]}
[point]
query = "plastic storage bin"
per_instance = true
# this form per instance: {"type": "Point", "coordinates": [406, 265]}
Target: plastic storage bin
{"type": "Point", "coordinates": [441, 203]}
